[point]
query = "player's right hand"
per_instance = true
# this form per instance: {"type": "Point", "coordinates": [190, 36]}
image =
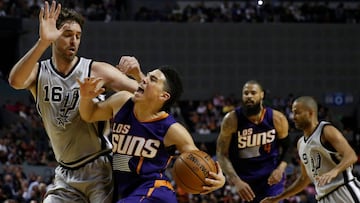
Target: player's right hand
{"type": "Point", "coordinates": [48, 15]}
{"type": "Point", "coordinates": [244, 190]}
{"type": "Point", "coordinates": [130, 66]}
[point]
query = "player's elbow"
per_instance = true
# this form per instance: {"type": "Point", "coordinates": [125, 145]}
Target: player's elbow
{"type": "Point", "coordinates": [354, 158]}
{"type": "Point", "coordinates": [15, 83]}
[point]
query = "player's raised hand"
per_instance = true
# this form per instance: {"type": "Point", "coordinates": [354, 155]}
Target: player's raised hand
{"type": "Point", "coordinates": [130, 66]}
{"type": "Point", "coordinates": [91, 87]}
{"type": "Point", "coordinates": [47, 17]}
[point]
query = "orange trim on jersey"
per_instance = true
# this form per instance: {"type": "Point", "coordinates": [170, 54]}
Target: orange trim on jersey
{"type": "Point", "coordinates": [262, 115]}
{"type": "Point", "coordinates": [169, 160]}
{"type": "Point", "coordinates": [163, 116]}
{"type": "Point", "coordinates": [159, 183]}
{"type": "Point", "coordinates": [138, 168]}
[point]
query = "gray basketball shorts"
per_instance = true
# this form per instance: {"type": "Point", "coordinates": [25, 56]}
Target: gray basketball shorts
{"type": "Point", "coordinates": [91, 183]}
{"type": "Point", "coordinates": [349, 193]}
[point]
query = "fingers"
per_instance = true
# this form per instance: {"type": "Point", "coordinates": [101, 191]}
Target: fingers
{"type": "Point", "coordinates": [127, 62]}
{"type": "Point", "coordinates": [273, 179]}
{"type": "Point", "coordinates": [57, 11]}
{"type": "Point", "coordinates": [91, 87]}
{"type": "Point", "coordinates": [53, 12]}
{"type": "Point", "coordinates": [247, 194]}
{"type": "Point", "coordinates": [78, 81]}
{"type": "Point", "coordinates": [324, 179]}
{"type": "Point", "coordinates": [52, 9]}
{"type": "Point", "coordinates": [41, 14]}
{"type": "Point", "coordinates": [46, 10]}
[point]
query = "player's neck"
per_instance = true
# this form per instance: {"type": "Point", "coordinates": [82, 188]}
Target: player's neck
{"type": "Point", "coordinates": [148, 114]}
{"type": "Point", "coordinates": [257, 118]}
{"type": "Point", "coordinates": [63, 65]}
{"type": "Point", "coordinates": [310, 130]}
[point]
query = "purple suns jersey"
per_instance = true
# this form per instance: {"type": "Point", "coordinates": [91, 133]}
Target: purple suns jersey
{"type": "Point", "coordinates": [254, 147]}
{"type": "Point", "coordinates": [139, 155]}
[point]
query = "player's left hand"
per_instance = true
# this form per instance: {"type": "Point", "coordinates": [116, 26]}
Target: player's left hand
{"type": "Point", "coordinates": [217, 181]}
{"type": "Point", "coordinates": [91, 87]}
{"type": "Point", "coordinates": [326, 178]}
{"type": "Point", "coordinates": [275, 176]}
{"type": "Point", "coordinates": [130, 66]}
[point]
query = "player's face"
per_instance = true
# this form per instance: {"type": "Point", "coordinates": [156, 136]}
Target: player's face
{"type": "Point", "coordinates": [152, 86]}
{"type": "Point", "coordinates": [67, 45]}
{"type": "Point", "coordinates": [301, 115]}
{"type": "Point", "coordinates": [252, 97]}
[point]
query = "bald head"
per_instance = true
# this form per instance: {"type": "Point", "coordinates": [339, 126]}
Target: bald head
{"type": "Point", "coordinates": [308, 102]}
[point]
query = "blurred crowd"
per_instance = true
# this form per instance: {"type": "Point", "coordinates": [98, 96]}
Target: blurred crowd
{"type": "Point", "coordinates": [23, 141]}
{"type": "Point", "coordinates": [247, 11]}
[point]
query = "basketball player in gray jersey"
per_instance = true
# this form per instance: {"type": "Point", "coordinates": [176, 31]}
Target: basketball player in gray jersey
{"type": "Point", "coordinates": [84, 173]}
{"type": "Point", "coordinates": [326, 158]}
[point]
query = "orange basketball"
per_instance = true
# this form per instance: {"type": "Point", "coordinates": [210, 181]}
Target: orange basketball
{"type": "Point", "coordinates": [190, 170]}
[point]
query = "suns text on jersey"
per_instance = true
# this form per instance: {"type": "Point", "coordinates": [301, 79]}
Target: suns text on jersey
{"type": "Point", "coordinates": [131, 144]}
{"type": "Point", "coordinates": [246, 138]}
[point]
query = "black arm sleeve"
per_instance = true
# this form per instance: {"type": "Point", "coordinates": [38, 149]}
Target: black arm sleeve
{"type": "Point", "coordinates": [284, 152]}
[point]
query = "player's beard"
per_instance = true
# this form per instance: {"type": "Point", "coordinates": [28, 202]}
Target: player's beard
{"type": "Point", "coordinates": [251, 110]}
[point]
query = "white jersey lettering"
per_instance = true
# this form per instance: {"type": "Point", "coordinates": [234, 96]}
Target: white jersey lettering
{"type": "Point", "coordinates": [257, 139]}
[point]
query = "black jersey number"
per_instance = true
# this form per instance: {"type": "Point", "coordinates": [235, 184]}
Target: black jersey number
{"type": "Point", "coordinates": [53, 94]}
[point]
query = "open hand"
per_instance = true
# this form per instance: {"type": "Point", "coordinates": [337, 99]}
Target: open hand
{"type": "Point", "coordinates": [91, 87]}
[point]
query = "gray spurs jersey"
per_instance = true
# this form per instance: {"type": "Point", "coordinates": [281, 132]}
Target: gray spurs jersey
{"type": "Point", "coordinates": [74, 141]}
{"type": "Point", "coordinates": [319, 160]}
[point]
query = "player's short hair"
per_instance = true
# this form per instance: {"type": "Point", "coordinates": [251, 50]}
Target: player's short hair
{"type": "Point", "coordinates": [308, 102]}
{"type": "Point", "coordinates": [173, 86]}
{"type": "Point", "coordinates": [66, 15]}
{"type": "Point", "coordinates": [254, 82]}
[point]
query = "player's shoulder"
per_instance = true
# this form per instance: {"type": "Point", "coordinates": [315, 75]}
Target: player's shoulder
{"type": "Point", "coordinates": [231, 115]}
{"type": "Point", "coordinates": [118, 99]}
{"type": "Point", "coordinates": [229, 122]}
{"type": "Point", "coordinates": [278, 114]}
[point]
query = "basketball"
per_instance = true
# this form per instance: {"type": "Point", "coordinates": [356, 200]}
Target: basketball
{"type": "Point", "coordinates": [190, 170]}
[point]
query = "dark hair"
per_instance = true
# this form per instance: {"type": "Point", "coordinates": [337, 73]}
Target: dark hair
{"type": "Point", "coordinates": [69, 15]}
{"type": "Point", "coordinates": [254, 82]}
{"type": "Point", "coordinates": [173, 86]}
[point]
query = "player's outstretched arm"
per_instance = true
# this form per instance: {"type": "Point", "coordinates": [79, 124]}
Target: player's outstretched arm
{"type": "Point", "coordinates": [117, 78]}
{"type": "Point", "coordinates": [23, 74]}
{"type": "Point", "coordinates": [92, 111]}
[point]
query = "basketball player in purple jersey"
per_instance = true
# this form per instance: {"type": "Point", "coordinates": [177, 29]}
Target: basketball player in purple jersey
{"type": "Point", "coordinates": [142, 134]}
{"type": "Point", "coordinates": [249, 146]}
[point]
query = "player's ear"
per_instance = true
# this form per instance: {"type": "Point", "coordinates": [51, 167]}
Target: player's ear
{"type": "Point", "coordinates": [165, 95]}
